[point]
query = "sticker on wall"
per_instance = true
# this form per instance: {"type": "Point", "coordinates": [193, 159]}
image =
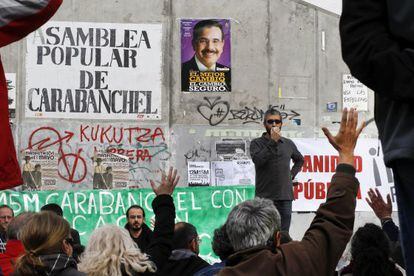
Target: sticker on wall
{"type": "Point", "coordinates": [205, 55]}
{"type": "Point", "coordinates": [297, 122]}
{"type": "Point", "coordinates": [332, 107]}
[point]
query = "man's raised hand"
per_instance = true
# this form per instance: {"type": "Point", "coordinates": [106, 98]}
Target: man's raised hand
{"type": "Point", "coordinates": [381, 209]}
{"type": "Point", "coordinates": [168, 183]}
{"type": "Point", "coordinates": [345, 140]}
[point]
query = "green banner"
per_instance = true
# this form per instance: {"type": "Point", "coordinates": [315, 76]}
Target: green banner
{"type": "Point", "coordinates": [205, 207]}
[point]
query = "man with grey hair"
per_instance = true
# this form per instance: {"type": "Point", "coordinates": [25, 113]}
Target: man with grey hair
{"type": "Point", "coordinates": [253, 227]}
{"type": "Point", "coordinates": [14, 247]}
{"type": "Point", "coordinates": [259, 218]}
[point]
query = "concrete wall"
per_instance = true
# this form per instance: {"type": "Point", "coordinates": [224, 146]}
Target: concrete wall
{"type": "Point", "coordinates": [275, 44]}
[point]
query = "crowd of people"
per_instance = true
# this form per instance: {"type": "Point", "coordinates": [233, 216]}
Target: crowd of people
{"type": "Point", "coordinates": [251, 241]}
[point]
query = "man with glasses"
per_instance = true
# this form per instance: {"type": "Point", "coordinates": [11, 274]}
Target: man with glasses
{"type": "Point", "coordinates": [208, 44]}
{"type": "Point", "coordinates": [271, 154]}
{"type": "Point", "coordinates": [6, 216]}
{"type": "Point", "coordinates": [184, 259]}
{"type": "Point", "coordinates": [139, 231]}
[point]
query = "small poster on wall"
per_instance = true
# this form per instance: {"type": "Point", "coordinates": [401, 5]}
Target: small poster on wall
{"type": "Point", "coordinates": [110, 171]}
{"type": "Point", "coordinates": [244, 172]}
{"type": "Point", "coordinates": [198, 173]}
{"type": "Point", "coordinates": [205, 55]}
{"type": "Point", "coordinates": [40, 170]}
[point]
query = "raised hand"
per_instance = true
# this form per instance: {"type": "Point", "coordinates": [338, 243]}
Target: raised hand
{"type": "Point", "coordinates": [381, 209]}
{"type": "Point", "coordinates": [345, 140]}
{"type": "Point", "coordinates": [168, 183]}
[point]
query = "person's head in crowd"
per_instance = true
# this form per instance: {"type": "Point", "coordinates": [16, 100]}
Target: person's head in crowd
{"type": "Point", "coordinates": [112, 252]}
{"type": "Point", "coordinates": [17, 224]}
{"type": "Point", "coordinates": [186, 237]}
{"type": "Point", "coordinates": [37, 167]}
{"type": "Point", "coordinates": [56, 209]}
{"type": "Point", "coordinates": [370, 251]}
{"type": "Point", "coordinates": [272, 118]}
{"type": "Point", "coordinates": [53, 207]}
{"type": "Point", "coordinates": [6, 216]}
{"type": "Point", "coordinates": [221, 244]}
{"type": "Point", "coordinates": [47, 241]}
{"type": "Point", "coordinates": [253, 223]}
{"type": "Point", "coordinates": [135, 216]}
{"type": "Point", "coordinates": [208, 41]}
{"type": "Point", "coordinates": [108, 169]}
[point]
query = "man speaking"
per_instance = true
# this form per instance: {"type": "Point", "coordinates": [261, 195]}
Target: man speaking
{"type": "Point", "coordinates": [202, 73]}
{"type": "Point", "coordinates": [271, 156]}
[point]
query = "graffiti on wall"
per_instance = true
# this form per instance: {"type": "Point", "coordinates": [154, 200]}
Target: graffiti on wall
{"type": "Point", "coordinates": [145, 147]}
{"type": "Point", "coordinates": [215, 111]}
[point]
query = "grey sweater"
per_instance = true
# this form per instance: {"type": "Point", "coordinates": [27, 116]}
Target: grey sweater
{"type": "Point", "coordinates": [272, 162]}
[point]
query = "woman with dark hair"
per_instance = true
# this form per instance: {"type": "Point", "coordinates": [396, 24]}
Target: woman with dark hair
{"type": "Point", "coordinates": [370, 251]}
{"type": "Point", "coordinates": [48, 247]}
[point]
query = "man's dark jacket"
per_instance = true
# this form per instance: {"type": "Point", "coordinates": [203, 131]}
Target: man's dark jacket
{"type": "Point", "coordinates": [375, 46]}
{"type": "Point", "coordinates": [144, 240]}
{"type": "Point", "coordinates": [191, 65]}
{"type": "Point", "coordinates": [322, 246]}
{"type": "Point", "coordinates": [183, 262]}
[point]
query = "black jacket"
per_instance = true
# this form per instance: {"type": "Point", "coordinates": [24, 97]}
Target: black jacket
{"type": "Point", "coordinates": [183, 262]}
{"type": "Point", "coordinates": [144, 240]}
{"type": "Point", "coordinates": [58, 264]}
{"type": "Point", "coordinates": [384, 61]}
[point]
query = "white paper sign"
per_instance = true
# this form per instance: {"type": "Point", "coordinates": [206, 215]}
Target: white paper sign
{"type": "Point", "coordinates": [222, 173]}
{"type": "Point", "coordinates": [198, 173]}
{"type": "Point", "coordinates": [355, 94]}
{"type": "Point", "coordinates": [243, 172]}
{"type": "Point", "coordinates": [320, 163]}
{"type": "Point", "coordinates": [94, 71]}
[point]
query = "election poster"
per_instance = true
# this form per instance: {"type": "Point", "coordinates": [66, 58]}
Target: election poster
{"type": "Point", "coordinates": [111, 171]}
{"type": "Point", "coordinates": [94, 71]}
{"type": "Point", "coordinates": [11, 94]}
{"type": "Point", "coordinates": [40, 170]}
{"type": "Point", "coordinates": [205, 55]}
{"type": "Point", "coordinates": [198, 173]}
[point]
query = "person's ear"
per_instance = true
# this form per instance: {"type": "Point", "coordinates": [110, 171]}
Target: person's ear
{"type": "Point", "coordinates": [193, 245]}
{"type": "Point", "coordinates": [67, 248]}
{"type": "Point", "coordinates": [277, 237]}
